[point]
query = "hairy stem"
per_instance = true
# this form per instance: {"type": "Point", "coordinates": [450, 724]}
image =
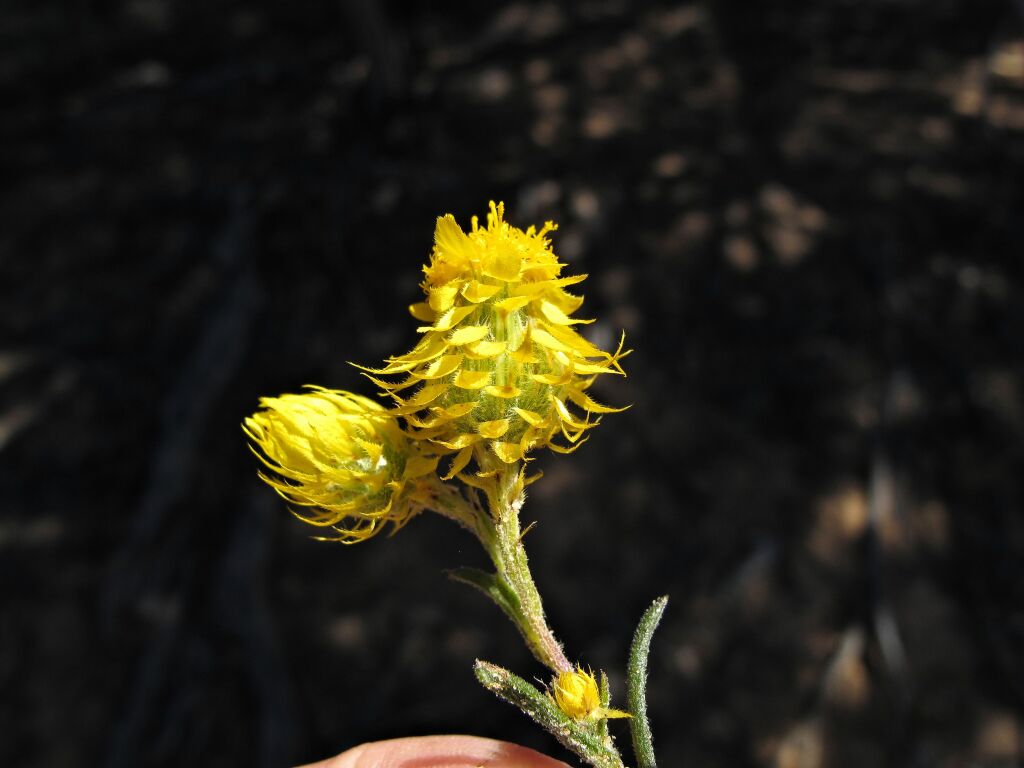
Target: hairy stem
{"type": "Point", "coordinates": [513, 568]}
{"type": "Point", "coordinates": [449, 502]}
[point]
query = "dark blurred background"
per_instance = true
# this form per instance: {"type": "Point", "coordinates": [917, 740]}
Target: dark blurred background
{"type": "Point", "coordinates": [807, 217]}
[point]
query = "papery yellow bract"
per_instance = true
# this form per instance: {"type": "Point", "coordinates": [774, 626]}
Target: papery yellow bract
{"type": "Point", "coordinates": [500, 369]}
{"type": "Point", "coordinates": [343, 457]}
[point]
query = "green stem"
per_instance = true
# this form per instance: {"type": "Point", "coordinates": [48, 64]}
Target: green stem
{"type": "Point", "coordinates": [451, 503]}
{"type": "Point", "coordinates": [513, 569]}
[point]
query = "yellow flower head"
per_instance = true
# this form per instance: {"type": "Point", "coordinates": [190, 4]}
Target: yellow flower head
{"type": "Point", "coordinates": [576, 693]}
{"type": "Point", "coordinates": [344, 457]}
{"type": "Point", "coordinates": [500, 369]}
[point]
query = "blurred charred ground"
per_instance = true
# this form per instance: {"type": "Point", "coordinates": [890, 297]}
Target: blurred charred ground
{"type": "Point", "coordinates": [807, 217]}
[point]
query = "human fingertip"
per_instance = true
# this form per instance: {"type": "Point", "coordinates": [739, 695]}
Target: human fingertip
{"type": "Point", "coordinates": [447, 751]}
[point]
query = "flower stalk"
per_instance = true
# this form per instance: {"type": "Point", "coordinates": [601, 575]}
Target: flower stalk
{"type": "Point", "coordinates": [509, 557]}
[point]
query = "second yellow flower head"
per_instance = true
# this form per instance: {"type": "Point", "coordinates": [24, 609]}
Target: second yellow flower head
{"type": "Point", "coordinates": [342, 457]}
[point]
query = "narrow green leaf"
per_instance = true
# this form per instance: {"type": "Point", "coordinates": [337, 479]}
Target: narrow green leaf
{"type": "Point", "coordinates": [523, 695]}
{"type": "Point", "coordinates": [636, 683]}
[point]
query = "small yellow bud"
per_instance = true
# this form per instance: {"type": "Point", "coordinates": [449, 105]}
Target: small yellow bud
{"type": "Point", "coordinates": [576, 694]}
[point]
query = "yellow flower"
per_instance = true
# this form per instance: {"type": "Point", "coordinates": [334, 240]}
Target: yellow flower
{"type": "Point", "coordinates": [576, 694]}
{"type": "Point", "coordinates": [344, 457]}
{"type": "Point", "coordinates": [500, 369]}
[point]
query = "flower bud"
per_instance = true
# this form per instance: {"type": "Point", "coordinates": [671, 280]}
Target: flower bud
{"type": "Point", "coordinates": [341, 456]}
{"type": "Point", "coordinates": [576, 693]}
